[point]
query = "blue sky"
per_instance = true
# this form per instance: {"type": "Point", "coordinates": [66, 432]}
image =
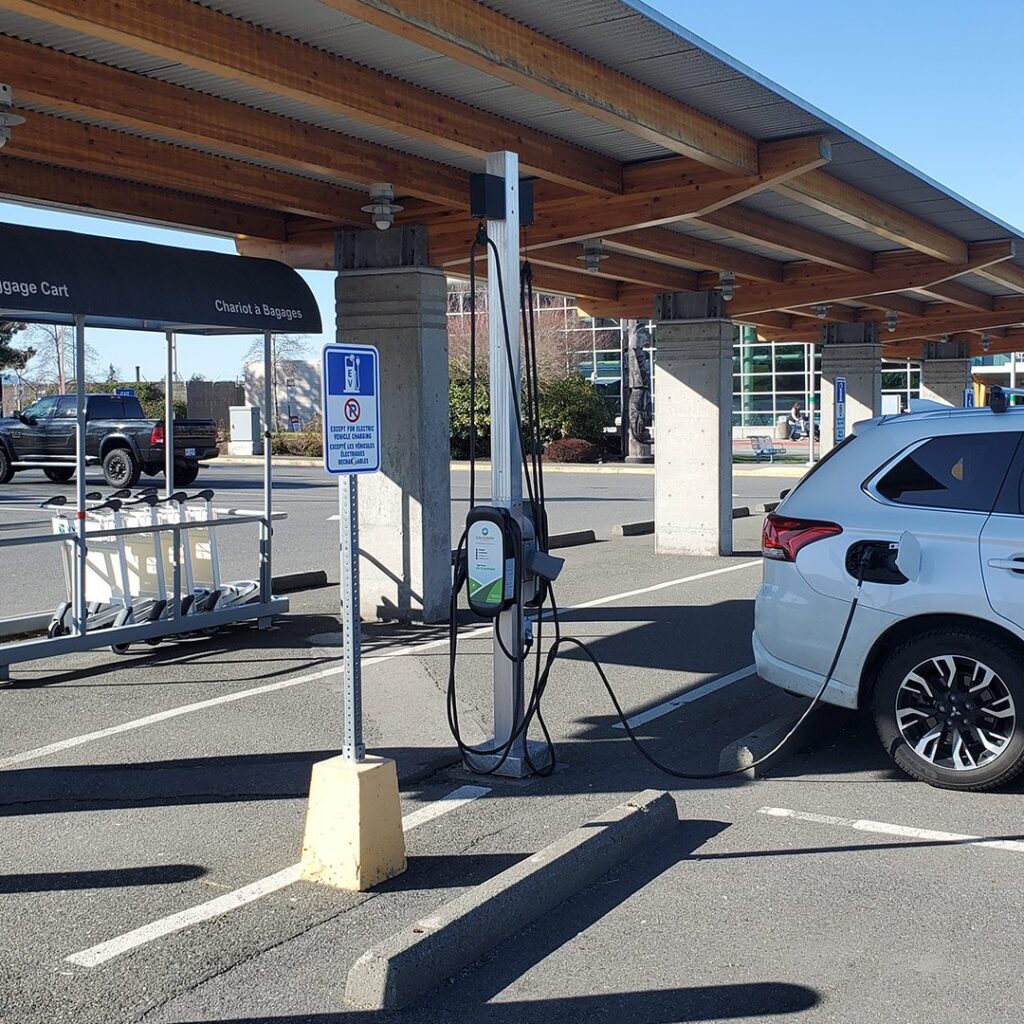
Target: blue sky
{"type": "Point", "coordinates": [932, 81]}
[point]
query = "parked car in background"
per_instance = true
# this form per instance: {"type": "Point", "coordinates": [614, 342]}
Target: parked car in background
{"type": "Point", "coordinates": [118, 437]}
{"type": "Point", "coordinates": [934, 500]}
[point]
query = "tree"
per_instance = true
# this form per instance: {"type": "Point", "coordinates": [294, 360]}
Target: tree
{"type": "Point", "coordinates": [113, 374]}
{"type": "Point", "coordinates": [10, 357]}
{"type": "Point", "coordinates": [54, 361]}
{"type": "Point", "coordinates": [284, 348]}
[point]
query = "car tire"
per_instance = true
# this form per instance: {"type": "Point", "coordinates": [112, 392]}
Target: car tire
{"type": "Point", "coordinates": [185, 473]}
{"type": "Point", "coordinates": [121, 468]}
{"type": "Point", "coordinates": [6, 469]}
{"type": "Point", "coordinates": [59, 474]}
{"type": "Point", "coordinates": [949, 709]}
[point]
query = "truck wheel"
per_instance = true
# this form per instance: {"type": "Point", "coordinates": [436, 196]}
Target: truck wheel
{"type": "Point", "coordinates": [6, 469]}
{"type": "Point", "coordinates": [185, 473]}
{"type": "Point", "coordinates": [949, 709]}
{"type": "Point", "coordinates": [58, 474]}
{"type": "Point", "coordinates": [121, 468]}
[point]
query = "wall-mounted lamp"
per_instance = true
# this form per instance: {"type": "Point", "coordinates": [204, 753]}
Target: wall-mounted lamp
{"type": "Point", "coordinates": [382, 207]}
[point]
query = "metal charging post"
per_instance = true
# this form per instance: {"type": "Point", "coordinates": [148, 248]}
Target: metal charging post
{"type": "Point", "coordinates": [348, 519]}
{"type": "Point", "coordinates": [506, 462]}
{"type": "Point", "coordinates": [267, 531]}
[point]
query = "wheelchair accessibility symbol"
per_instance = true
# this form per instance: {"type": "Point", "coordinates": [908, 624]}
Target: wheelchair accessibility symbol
{"type": "Point", "coordinates": [352, 410]}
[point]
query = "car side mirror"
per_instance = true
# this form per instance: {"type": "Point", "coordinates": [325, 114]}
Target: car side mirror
{"type": "Point", "coordinates": [908, 558]}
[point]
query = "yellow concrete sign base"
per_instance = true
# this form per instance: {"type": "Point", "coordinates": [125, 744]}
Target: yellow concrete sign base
{"type": "Point", "coordinates": [354, 837]}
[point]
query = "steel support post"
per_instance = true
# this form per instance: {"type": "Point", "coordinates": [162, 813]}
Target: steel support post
{"type": "Point", "coordinates": [812, 381]}
{"type": "Point", "coordinates": [348, 516]}
{"type": "Point", "coordinates": [506, 454]}
{"type": "Point", "coordinates": [267, 531]}
{"type": "Point", "coordinates": [80, 606]}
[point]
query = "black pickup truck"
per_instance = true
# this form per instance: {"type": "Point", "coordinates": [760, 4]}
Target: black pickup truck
{"type": "Point", "coordinates": [118, 437]}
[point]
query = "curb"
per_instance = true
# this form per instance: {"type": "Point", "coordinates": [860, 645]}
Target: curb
{"type": "Point", "coordinates": [417, 959]}
{"type": "Point", "coordinates": [743, 752]}
{"type": "Point", "coordinates": [275, 460]}
{"type": "Point", "coordinates": [291, 581]}
{"type": "Point", "coordinates": [634, 529]}
{"type": "Point", "coordinates": [572, 540]}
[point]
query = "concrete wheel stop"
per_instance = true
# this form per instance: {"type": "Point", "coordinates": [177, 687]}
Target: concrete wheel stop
{"type": "Point", "coordinates": [422, 955]}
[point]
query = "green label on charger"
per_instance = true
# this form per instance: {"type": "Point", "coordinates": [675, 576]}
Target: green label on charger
{"type": "Point", "coordinates": [486, 565]}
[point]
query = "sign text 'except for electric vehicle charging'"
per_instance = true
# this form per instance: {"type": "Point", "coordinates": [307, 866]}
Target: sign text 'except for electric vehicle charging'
{"type": "Point", "coordinates": [351, 404]}
{"type": "Point", "coordinates": [840, 409]}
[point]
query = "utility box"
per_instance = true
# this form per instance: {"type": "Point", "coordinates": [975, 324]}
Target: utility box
{"type": "Point", "coordinates": [244, 425]}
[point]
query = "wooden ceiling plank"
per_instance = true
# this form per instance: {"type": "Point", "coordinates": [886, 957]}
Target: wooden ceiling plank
{"type": "Point", "coordinates": [825, 192]}
{"type": "Point", "coordinates": [73, 85]}
{"type": "Point", "coordinates": [619, 267]}
{"type": "Point", "coordinates": [959, 295]}
{"type": "Point", "coordinates": [70, 144]}
{"type": "Point", "coordinates": [186, 33]}
{"type": "Point", "coordinates": [22, 180]}
{"type": "Point", "coordinates": [472, 34]}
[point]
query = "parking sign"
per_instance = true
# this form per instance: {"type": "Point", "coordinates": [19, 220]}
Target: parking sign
{"type": "Point", "coordinates": [351, 404]}
{"type": "Point", "coordinates": [839, 410]}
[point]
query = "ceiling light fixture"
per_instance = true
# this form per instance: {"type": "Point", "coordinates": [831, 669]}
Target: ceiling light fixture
{"type": "Point", "coordinates": [382, 207]}
{"type": "Point", "coordinates": [8, 119]}
{"type": "Point", "coordinates": [821, 310]}
{"type": "Point", "coordinates": [727, 285]}
{"type": "Point", "coordinates": [986, 342]}
{"type": "Point", "coordinates": [943, 339]}
{"type": "Point", "coordinates": [593, 255]}
{"type": "Point", "coordinates": [892, 318]}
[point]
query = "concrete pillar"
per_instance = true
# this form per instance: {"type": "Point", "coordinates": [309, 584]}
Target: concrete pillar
{"type": "Point", "coordinates": [405, 509]}
{"type": "Point", "coordinates": [851, 351]}
{"type": "Point", "coordinates": [693, 425]}
{"type": "Point", "coordinates": [945, 372]}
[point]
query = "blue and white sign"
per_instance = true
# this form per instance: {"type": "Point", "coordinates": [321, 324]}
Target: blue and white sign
{"type": "Point", "coordinates": [968, 397]}
{"type": "Point", "coordinates": [351, 404]}
{"type": "Point", "coordinates": [124, 392]}
{"type": "Point", "coordinates": [839, 410]}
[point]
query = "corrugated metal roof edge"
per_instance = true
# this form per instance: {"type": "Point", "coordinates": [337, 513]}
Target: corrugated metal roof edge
{"type": "Point", "coordinates": [670, 25]}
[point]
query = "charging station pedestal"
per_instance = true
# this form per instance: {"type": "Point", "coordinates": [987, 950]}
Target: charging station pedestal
{"type": "Point", "coordinates": [506, 474]}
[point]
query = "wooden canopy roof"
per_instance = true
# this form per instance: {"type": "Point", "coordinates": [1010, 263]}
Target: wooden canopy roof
{"type": "Point", "coordinates": [269, 120]}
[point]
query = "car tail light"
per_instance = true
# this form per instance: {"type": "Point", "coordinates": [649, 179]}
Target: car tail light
{"type": "Point", "coordinates": [783, 538]}
{"type": "Point", "coordinates": [156, 435]}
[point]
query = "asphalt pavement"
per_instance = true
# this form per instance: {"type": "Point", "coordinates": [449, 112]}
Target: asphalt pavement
{"type": "Point", "coordinates": [138, 791]}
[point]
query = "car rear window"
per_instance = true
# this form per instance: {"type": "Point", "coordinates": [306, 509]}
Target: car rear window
{"type": "Point", "coordinates": [962, 472]}
{"type": "Point", "coordinates": [103, 407]}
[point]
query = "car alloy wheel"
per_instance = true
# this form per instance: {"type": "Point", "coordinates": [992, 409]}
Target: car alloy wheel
{"type": "Point", "coordinates": [118, 469]}
{"type": "Point", "coordinates": [955, 712]}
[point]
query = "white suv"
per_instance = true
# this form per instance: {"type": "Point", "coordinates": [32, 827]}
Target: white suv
{"type": "Point", "coordinates": [936, 646]}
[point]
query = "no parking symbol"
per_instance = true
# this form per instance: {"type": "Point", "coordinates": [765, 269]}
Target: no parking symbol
{"type": "Point", "coordinates": [352, 410]}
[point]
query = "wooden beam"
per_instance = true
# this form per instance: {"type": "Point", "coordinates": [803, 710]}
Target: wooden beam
{"type": "Point", "coordinates": [186, 33]}
{"type": "Point", "coordinates": [23, 180]}
{"type": "Point", "coordinates": [472, 34]}
{"type": "Point", "coordinates": [753, 226]}
{"type": "Point", "coordinates": [72, 85]}
{"type": "Point", "coordinates": [582, 217]}
{"type": "Point", "coordinates": [618, 267]}
{"type": "Point", "coordinates": [958, 294]}
{"type": "Point", "coordinates": [897, 272]}
{"type": "Point", "coordinates": [1008, 274]}
{"type": "Point", "coordinates": [70, 144]}
{"type": "Point", "coordinates": [828, 194]}
{"type": "Point", "coordinates": [696, 253]}
{"type": "Point", "coordinates": [897, 303]}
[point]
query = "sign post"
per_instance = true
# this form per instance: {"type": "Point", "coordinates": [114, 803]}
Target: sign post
{"type": "Point", "coordinates": [354, 836]}
{"type": "Point", "coordinates": [839, 410]}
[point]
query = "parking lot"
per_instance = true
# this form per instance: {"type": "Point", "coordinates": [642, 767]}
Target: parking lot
{"type": "Point", "coordinates": [154, 808]}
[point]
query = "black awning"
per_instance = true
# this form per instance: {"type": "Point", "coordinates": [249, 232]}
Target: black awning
{"type": "Point", "coordinates": [50, 276]}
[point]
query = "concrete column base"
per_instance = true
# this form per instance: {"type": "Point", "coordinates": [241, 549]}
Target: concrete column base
{"type": "Point", "coordinates": [354, 837]}
{"type": "Point", "coordinates": [405, 509]}
{"type": "Point", "coordinates": [693, 475]}
{"type": "Point", "coordinates": [861, 366]}
{"type": "Point", "coordinates": [944, 380]}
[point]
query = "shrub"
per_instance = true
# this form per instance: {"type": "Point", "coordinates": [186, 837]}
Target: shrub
{"type": "Point", "coordinates": [459, 408]}
{"type": "Point", "coordinates": [571, 407]}
{"type": "Point", "coordinates": [572, 449]}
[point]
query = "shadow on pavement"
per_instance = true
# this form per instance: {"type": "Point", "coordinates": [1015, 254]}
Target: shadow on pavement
{"type": "Point", "coordinates": [109, 878]}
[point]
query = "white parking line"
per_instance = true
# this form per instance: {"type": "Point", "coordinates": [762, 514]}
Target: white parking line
{"type": "Point", "coordinates": [99, 954]}
{"type": "Point", "coordinates": [697, 693]}
{"type": "Point", "coordinates": [903, 831]}
{"type": "Point", "coordinates": [284, 684]}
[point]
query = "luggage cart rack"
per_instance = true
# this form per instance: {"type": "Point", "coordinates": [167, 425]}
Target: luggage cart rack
{"type": "Point", "coordinates": [107, 563]}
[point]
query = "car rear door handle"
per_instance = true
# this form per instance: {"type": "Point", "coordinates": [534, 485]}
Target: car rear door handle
{"type": "Point", "coordinates": [1015, 564]}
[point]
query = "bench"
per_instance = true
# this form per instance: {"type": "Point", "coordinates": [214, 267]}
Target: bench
{"type": "Point", "coordinates": [765, 449]}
